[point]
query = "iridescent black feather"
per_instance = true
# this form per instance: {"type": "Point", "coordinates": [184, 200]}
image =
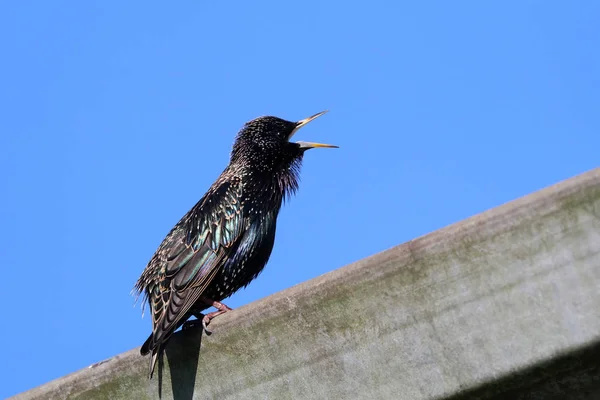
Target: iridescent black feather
{"type": "Point", "coordinates": [226, 239]}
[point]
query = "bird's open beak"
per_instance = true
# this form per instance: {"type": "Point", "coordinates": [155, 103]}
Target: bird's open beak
{"type": "Point", "coordinates": [309, 145]}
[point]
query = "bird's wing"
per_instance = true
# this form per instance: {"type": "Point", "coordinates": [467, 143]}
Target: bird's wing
{"type": "Point", "coordinates": [192, 254]}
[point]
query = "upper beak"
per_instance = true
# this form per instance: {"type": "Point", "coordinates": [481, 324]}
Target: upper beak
{"type": "Point", "coordinates": [309, 145]}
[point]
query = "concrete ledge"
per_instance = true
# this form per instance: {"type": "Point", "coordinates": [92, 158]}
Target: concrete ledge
{"type": "Point", "coordinates": [505, 303]}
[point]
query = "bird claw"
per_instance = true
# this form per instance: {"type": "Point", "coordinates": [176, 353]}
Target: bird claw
{"type": "Point", "coordinates": [203, 320]}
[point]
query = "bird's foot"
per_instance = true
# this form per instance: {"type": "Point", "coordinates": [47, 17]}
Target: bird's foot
{"type": "Point", "coordinates": [205, 322]}
{"type": "Point", "coordinates": [222, 308]}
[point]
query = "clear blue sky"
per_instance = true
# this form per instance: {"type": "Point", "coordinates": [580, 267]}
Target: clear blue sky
{"type": "Point", "coordinates": [441, 110]}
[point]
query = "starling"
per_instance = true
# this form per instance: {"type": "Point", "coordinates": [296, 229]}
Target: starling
{"type": "Point", "coordinates": [225, 240]}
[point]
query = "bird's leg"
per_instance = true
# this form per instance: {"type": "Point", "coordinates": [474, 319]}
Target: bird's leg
{"type": "Point", "coordinates": [222, 308]}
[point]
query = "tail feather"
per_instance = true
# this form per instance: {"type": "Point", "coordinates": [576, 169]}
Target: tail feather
{"type": "Point", "coordinates": [147, 347]}
{"type": "Point", "coordinates": [155, 354]}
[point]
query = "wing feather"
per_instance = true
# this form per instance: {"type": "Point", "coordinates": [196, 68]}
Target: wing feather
{"type": "Point", "coordinates": [190, 257]}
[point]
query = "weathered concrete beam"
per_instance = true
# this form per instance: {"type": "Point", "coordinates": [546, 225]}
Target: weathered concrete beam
{"type": "Point", "coordinates": [503, 303]}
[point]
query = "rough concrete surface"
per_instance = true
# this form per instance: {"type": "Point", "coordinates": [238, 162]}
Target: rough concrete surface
{"type": "Point", "coordinates": [505, 304]}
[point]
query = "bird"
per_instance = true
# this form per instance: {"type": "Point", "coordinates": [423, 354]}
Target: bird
{"type": "Point", "coordinates": [225, 240]}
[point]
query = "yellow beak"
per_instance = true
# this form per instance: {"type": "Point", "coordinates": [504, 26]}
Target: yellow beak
{"type": "Point", "coordinates": [310, 145]}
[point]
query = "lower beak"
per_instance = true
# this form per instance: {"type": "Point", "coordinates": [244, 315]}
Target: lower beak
{"type": "Point", "coordinates": [310, 145]}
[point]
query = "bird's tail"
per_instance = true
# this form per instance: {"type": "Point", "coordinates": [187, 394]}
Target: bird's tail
{"type": "Point", "coordinates": [156, 352]}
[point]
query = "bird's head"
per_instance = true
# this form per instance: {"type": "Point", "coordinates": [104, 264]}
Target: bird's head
{"type": "Point", "coordinates": [264, 143]}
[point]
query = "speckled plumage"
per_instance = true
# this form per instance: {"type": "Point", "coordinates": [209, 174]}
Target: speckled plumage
{"type": "Point", "coordinates": [225, 240]}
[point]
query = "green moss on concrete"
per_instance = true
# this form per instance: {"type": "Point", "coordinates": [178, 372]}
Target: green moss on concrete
{"type": "Point", "coordinates": [119, 388]}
